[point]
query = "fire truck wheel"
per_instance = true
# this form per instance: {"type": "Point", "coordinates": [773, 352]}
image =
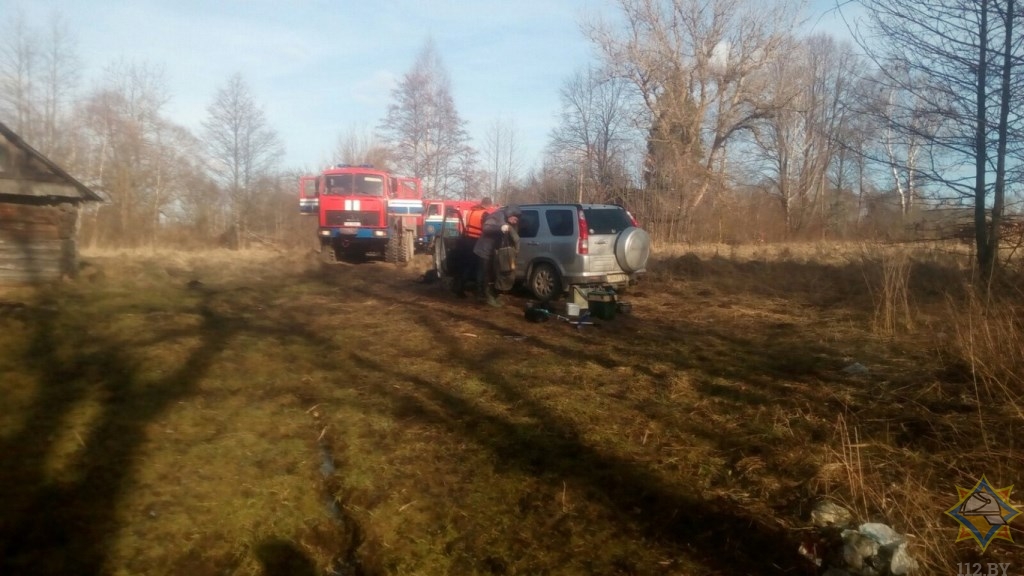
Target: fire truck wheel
{"type": "Point", "coordinates": [408, 246]}
{"type": "Point", "coordinates": [327, 254]}
{"type": "Point", "coordinates": [392, 248]}
{"type": "Point", "coordinates": [400, 247]}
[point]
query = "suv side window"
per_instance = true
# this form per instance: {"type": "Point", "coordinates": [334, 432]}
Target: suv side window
{"type": "Point", "coordinates": [560, 222]}
{"type": "Point", "coordinates": [529, 224]}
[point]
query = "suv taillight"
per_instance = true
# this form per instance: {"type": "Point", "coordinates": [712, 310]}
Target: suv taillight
{"type": "Point", "coordinates": [632, 219]}
{"type": "Point", "coordinates": [583, 244]}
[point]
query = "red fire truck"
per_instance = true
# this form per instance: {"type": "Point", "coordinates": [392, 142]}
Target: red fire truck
{"type": "Point", "coordinates": [434, 219]}
{"type": "Point", "coordinates": [363, 211]}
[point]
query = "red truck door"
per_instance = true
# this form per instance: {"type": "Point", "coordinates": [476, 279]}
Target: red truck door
{"type": "Point", "coordinates": [409, 189]}
{"type": "Point", "coordinates": [309, 201]}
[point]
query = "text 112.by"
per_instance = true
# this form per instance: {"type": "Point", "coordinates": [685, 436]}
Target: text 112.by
{"type": "Point", "coordinates": [980, 569]}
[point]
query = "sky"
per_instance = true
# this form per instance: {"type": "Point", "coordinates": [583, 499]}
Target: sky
{"type": "Point", "coordinates": [322, 68]}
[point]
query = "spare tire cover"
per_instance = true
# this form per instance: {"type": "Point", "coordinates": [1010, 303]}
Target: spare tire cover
{"type": "Point", "coordinates": [632, 248]}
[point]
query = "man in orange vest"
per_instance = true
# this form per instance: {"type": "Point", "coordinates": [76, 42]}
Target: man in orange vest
{"type": "Point", "coordinates": [500, 226]}
{"type": "Point", "coordinates": [476, 216]}
{"type": "Point", "coordinates": [473, 221]}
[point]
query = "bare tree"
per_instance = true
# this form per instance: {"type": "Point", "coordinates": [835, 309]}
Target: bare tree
{"type": "Point", "coordinates": [470, 180]}
{"type": "Point", "coordinates": [902, 148]}
{"type": "Point", "coordinates": [501, 153]}
{"type": "Point", "coordinates": [38, 80]}
{"type": "Point", "coordinates": [851, 168]}
{"type": "Point", "coordinates": [175, 165]}
{"type": "Point", "coordinates": [423, 127]}
{"type": "Point", "coordinates": [197, 211]}
{"type": "Point", "coordinates": [242, 148]}
{"type": "Point", "coordinates": [124, 155]}
{"type": "Point", "coordinates": [59, 85]}
{"type": "Point", "coordinates": [959, 63]}
{"type": "Point", "coordinates": [19, 70]}
{"type": "Point", "coordinates": [695, 65]}
{"type": "Point", "coordinates": [359, 145]}
{"type": "Point", "coordinates": [594, 134]}
{"type": "Point", "coordinates": [799, 141]}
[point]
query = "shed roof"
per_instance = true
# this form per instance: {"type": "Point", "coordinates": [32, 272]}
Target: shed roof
{"type": "Point", "coordinates": [85, 193]}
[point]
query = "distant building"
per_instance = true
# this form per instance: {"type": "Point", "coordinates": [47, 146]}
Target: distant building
{"type": "Point", "coordinates": [39, 209]}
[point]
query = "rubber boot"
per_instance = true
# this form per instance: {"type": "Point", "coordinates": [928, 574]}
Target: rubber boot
{"type": "Point", "coordinates": [492, 300]}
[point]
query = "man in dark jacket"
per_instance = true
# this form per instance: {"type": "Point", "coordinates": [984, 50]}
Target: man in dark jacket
{"type": "Point", "coordinates": [500, 223]}
{"type": "Point", "coordinates": [462, 253]}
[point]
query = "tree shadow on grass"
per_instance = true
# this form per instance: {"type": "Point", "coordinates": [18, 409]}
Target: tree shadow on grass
{"type": "Point", "coordinates": [64, 524]}
{"type": "Point", "coordinates": [720, 534]}
{"type": "Point", "coordinates": [283, 558]}
{"type": "Point", "coordinates": [716, 533]}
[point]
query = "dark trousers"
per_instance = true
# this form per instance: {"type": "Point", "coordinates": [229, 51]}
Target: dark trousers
{"type": "Point", "coordinates": [462, 264]}
{"type": "Point", "coordinates": [484, 275]}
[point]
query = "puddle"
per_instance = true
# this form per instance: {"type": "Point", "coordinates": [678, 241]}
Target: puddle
{"type": "Point", "coordinates": [327, 470]}
{"type": "Point", "coordinates": [346, 560]}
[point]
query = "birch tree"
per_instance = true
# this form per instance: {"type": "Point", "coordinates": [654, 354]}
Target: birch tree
{"type": "Point", "coordinates": [502, 158]}
{"type": "Point", "coordinates": [39, 81]}
{"type": "Point", "coordinates": [959, 64]}
{"type": "Point", "coordinates": [799, 141]}
{"type": "Point", "coordinates": [124, 154]}
{"type": "Point", "coordinates": [242, 149]}
{"type": "Point", "coordinates": [422, 126]}
{"type": "Point", "coordinates": [19, 70]}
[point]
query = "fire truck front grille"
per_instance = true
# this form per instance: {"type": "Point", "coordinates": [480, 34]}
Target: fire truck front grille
{"type": "Point", "coordinates": [343, 217]}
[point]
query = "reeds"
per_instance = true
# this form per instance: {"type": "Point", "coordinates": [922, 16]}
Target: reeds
{"type": "Point", "coordinates": [989, 340]}
{"type": "Point", "coordinates": [888, 281]}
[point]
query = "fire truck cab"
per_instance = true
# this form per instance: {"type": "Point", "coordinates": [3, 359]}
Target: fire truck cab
{"type": "Point", "coordinates": [362, 211]}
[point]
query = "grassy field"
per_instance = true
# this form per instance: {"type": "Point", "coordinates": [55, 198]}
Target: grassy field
{"type": "Point", "coordinates": [217, 413]}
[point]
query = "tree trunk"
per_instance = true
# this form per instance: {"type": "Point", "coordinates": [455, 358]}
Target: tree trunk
{"type": "Point", "coordinates": [1004, 115]}
{"type": "Point", "coordinates": [985, 256]}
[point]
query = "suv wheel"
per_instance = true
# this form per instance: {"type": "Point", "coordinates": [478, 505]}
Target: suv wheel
{"type": "Point", "coordinates": [544, 282]}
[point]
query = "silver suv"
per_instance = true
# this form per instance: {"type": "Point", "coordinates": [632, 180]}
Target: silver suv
{"type": "Point", "coordinates": [564, 245]}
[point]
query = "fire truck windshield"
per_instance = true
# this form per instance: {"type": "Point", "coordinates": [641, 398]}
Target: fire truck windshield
{"type": "Point", "coordinates": [354, 184]}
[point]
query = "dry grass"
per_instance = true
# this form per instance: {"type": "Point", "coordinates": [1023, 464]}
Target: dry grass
{"type": "Point", "coordinates": [205, 413]}
{"type": "Point", "coordinates": [989, 341]}
{"type": "Point", "coordinates": [891, 293]}
{"type": "Point", "coordinates": [941, 402]}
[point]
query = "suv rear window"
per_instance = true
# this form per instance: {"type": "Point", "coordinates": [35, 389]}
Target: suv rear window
{"type": "Point", "coordinates": [606, 220]}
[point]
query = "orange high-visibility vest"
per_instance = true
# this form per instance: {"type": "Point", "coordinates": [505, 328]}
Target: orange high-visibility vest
{"type": "Point", "coordinates": [475, 222]}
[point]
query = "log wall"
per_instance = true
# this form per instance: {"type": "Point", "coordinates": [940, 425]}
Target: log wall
{"type": "Point", "coordinates": [37, 240]}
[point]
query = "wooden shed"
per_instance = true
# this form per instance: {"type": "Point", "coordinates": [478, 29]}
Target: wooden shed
{"type": "Point", "coordinates": [39, 208]}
